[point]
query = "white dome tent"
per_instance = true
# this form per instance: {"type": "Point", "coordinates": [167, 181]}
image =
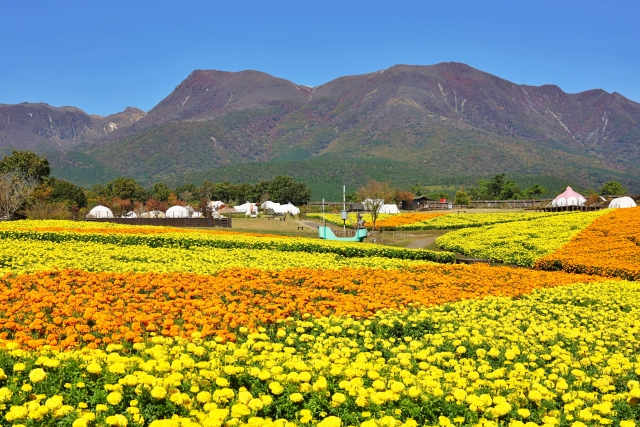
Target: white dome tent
{"type": "Point", "coordinates": [568, 198]}
{"type": "Point", "coordinates": [248, 208]}
{"type": "Point", "coordinates": [290, 209]}
{"type": "Point", "coordinates": [100, 212]}
{"type": "Point", "coordinates": [622, 202]}
{"type": "Point", "coordinates": [177, 212]}
{"type": "Point", "coordinates": [389, 209]}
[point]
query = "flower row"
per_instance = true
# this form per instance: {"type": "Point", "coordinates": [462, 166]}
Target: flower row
{"type": "Point", "coordinates": [610, 246]}
{"type": "Point", "coordinates": [558, 357]}
{"type": "Point", "coordinates": [520, 243]}
{"type": "Point", "coordinates": [70, 308]}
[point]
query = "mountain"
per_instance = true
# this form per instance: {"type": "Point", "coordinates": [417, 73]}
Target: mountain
{"type": "Point", "coordinates": [42, 127]}
{"type": "Point", "coordinates": [442, 120]}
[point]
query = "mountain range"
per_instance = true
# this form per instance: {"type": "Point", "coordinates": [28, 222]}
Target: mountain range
{"type": "Point", "coordinates": [411, 124]}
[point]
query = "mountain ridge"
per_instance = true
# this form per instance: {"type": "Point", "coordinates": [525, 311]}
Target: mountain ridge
{"type": "Point", "coordinates": [434, 115]}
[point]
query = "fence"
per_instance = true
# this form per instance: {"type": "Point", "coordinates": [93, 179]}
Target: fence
{"type": "Point", "coordinates": [169, 222]}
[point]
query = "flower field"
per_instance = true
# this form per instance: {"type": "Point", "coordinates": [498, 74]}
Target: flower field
{"type": "Point", "coordinates": [124, 326]}
{"type": "Point", "coordinates": [610, 246]}
{"type": "Point", "coordinates": [520, 243]}
{"type": "Point", "coordinates": [438, 220]}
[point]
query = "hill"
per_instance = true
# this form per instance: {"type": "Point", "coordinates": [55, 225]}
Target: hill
{"type": "Point", "coordinates": [442, 120]}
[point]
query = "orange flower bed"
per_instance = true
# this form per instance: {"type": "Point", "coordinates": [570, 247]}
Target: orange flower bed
{"type": "Point", "coordinates": [404, 219]}
{"type": "Point", "coordinates": [610, 246]}
{"type": "Point", "coordinates": [71, 308]}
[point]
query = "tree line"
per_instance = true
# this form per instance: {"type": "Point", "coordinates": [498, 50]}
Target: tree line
{"type": "Point", "coordinates": [26, 186]}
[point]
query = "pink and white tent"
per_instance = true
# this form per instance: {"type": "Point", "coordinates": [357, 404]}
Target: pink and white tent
{"type": "Point", "coordinates": [568, 198]}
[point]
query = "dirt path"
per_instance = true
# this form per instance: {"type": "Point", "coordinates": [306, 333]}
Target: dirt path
{"type": "Point", "coordinates": [421, 243]}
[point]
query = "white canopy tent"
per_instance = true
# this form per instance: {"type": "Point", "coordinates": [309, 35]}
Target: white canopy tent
{"type": "Point", "coordinates": [248, 208]}
{"type": "Point", "coordinates": [130, 215]}
{"type": "Point", "coordinates": [177, 212]}
{"type": "Point", "coordinates": [216, 204]}
{"type": "Point", "coordinates": [622, 202]}
{"type": "Point", "coordinates": [100, 212]}
{"type": "Point", "coordinates": [568, 198]}
{"type": "Point", "coordinates": [152, 214]}
{"type": "Point", "coordinates": [389, 209]}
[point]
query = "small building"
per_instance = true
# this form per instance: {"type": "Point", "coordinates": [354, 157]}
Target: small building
{"type": "Point", "coordinates": [418, 203]}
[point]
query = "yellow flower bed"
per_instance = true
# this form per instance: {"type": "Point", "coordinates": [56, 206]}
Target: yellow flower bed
{"type": "Point", "coordinates": [26, 256]}
{"type": "Point", "coordinates": [521, 242]}
{"type": "Point", "coordinates": [476, 220]}
{"type": "Point", "coordinates": [565, 356]}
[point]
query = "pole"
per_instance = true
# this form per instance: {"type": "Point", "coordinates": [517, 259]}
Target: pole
{"type": "Point", "coordinates": [344, 208]}
{"type": "Point", "coordinates": [324, 219]}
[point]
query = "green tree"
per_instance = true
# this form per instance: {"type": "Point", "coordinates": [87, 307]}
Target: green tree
{"type": "Point", "coordinates": [26, 164]}
{"type": "Point", "coordinates": [510, 191]}
{"type": "Point", "coordinates": [535, 191]}
{"type": "Point", "coordinates": [207, 189]}
{"type": "Point", "coordinates": [191, 188]}
{"type": "Point", "coordinates": [222, 191]}
{"type": "Point", "coordinates": [283, 189]}
{"type": "Point", "coordinates": [64, 191]}
{"type": "Point", "coordinates": [259, 192]}
{"type": "Point", "coordinates": [613, 188]}
{"type": "Point", "coordinates": [462, 198]}
{"type": "Point", "coordinates": [160, 191]}
{"type": "Point", "coordinates": [126, 188]}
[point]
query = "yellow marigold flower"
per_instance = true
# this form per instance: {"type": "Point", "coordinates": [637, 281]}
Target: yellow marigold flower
{"type": "Point", "coordinates": [524, 413]}
{"type": "Point", "coordinates": [37, 375]}
{"type": "Point", "coordinates": [296, 397]}
{"type": "Point", "coordinates": [19, 367]}
{"type": "Point", "coordinates": [94, 368]}
{"type": "Point", "coordinates": [80, 384]}
{"type": "Point", "coordinates": [117, 368]}
{"type": "Point", "coordinates": [114, 398]}
{"type": "Point", "coordinates": [255, 404]}
{"type": "Point", "coordinates": [627, 423]}
{"type": "Point", "coordinates": [320, 384]}
{"type": "Point", "coordinates": [101, 408]}
{"type": "Point", "coordinates": [338, 399]}
{"type": "Point", "coordinates": [5, 394]}
{"type": "Point", "coordinates": [222, 382]}
{"type": "Point", "coordinates": [80, 422]}
{"type": "Point", "coordinates": [331, 421]}
{"type": "Point", "coordinates": [378, 385]}
{"type": "Point", "coordinates": [361, 401]}
{"type": "Point", "coordinates": [203, 397]}
{"type": "Point", "coordinates": [276, 388]}
{"type": "Point", "coordinates": [159, 392]}
{"type": "Point", "coordinates": [240, 410]}
{"type": "Point", "coordinates": [117, 420]}
{"type": "Point", "coordinates": [461, 350]}
{"type": "Point", "coordinates": [459, 394]}
{"type": "Point", "coordinates": [578, 424]}
{"type": "Point", "coordinates": [535, 395]}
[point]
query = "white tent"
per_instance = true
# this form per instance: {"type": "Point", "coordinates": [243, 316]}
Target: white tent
{"type": "Point", "coordinates": [130, 215]}
{"type": "Point", "coordinates": [270, 205]}
{"type": "Point", "coordinates": [177, 212]}
{"type": "Point", "coordinates": [568, 198]}
{"type": "Point", "coordinates": [100, 212]}
{"type": "Point", "coordinates": [247, 208]}
{"type": "Point", "coordinates": [290, 209]}
{"type": "Point", "coordinates": [622, 202]}
{"type": "Point", "coordinates": [389, 209]}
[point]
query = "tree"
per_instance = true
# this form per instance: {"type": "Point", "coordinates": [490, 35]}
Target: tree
{"type": "Point", "coordinates": [160, 191]}
{"type": "Point", "coordinates": [510, 191]}
{"type": "Point", "coordinates": [126, 188]}
{"type": "Point", "coordinates": [259, 192]}
{"type": "Point", "coordinates": [191, 188]}
{"type": "Point", "coordinates": [15, 188]}
{"type": "Point", "coordinates": [207, 189]}
{"type": "Point", "coordinates": [613, 188]}
{"type": "Point", "coordinates": [373, 196]}
{"type": "Point", "coordinates": [27, 165]}
{"type": "Point", "coordinates": [64, 191]}
{"type": "Point", "coordinates": [283, 189]}
{"type": "Point", "coordinates": [462, 198]}
{"type": "Point", "coordinates": [404, 197]}
{"type": "Point", "coordinates": [535, 191]}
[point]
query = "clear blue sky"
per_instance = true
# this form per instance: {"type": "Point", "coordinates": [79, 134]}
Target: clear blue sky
{"type": "Point", "coordinates": [104, 56]}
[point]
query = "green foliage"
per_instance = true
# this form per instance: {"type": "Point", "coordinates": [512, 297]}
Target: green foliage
{"type": "Point", "coordinates": [462, 198]}
{"type": "Point", "coordinates": [613, 188]}
{"type": "Point", "coordinates": [64, 191]}
{"type": "Point", "coordinates": [161, 191]}
{"type": "Point", "coordinates": [27, 164]}
{"type": "Point", "coordinates": [126, 189]}
{"type": "Point", "coordinates": [283, 189]}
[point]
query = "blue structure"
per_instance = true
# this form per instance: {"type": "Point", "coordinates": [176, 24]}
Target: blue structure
{"type": "Point", "coordinates": [327, 234]}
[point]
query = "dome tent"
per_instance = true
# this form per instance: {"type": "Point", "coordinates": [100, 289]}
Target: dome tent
{"type": "Point", "coordinates": [247, 208]}
{"type": "Point", "coordinates": [177, 212]}
{"type": "Point", "coordinates": [622, 202]}
{"type": "Point", "coordinates": [290, 209]}
{"type": "Point", "coordinates": [100, 212]}
{"type": "Point", "coordinates": [568, 198]}
{"type": "Point", "coordinates": [130, 215]}
{"type": "Point", "coordinates": [389, 209]}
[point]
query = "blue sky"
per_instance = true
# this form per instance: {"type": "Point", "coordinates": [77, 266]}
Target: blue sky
{"type": "Point", "coordinates": [105, 56]}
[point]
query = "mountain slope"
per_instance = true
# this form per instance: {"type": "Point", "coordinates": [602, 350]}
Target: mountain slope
{"type": "Point", "coordinates": [42, 127]}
